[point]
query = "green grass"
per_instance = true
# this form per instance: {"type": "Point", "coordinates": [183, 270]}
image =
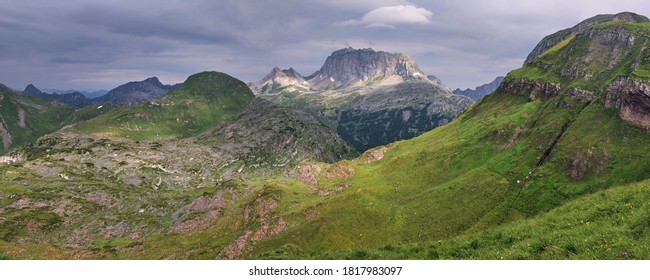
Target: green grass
{"type": "Point", "coordinates": [204, 101]}
{"type": "Point", "coordinates": [40, 117]}
{"type": "Point", "coordinates": [610, 224]}
{"type": "Point", "coordinates": [559, 46]}
{"type": "Point", "coordinates": [471, 175]}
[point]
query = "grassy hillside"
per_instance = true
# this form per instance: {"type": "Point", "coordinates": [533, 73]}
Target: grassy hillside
{"type": "Point", "coordinates": [543, 139]}
{"type": "Point", "coordinates": [205, 100]}
{"type": "Point", "coordinates": [471, 175]}
{"type": "Point", "coordinates": [609, 224]}
{"type": "Point", "coordinates": [24, 118]}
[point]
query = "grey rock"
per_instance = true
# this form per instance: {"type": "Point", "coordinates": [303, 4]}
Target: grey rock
{"type": "Point", "coordinates": [135, 93]}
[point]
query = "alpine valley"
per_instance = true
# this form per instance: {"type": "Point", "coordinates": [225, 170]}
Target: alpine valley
{"type": "Point", "coordinates": [367, 158]}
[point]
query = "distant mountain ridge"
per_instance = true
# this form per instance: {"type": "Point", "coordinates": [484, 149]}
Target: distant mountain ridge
{"type": "Point", "coordinates": [482, 90]}
{"type": "Point", "coordinates": [75, 98]}
{"type": "Point", "coordinates": [129, 94]}
{"type": "Point", "coordinates": [135, 93]}
{"type": "Point", "coordinates": [87, 93]}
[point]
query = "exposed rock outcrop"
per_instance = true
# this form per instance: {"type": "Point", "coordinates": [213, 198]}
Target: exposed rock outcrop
{"type": "Point", "coordinates": [351, 67]}
{"type": "Point", "coordinates": [531, 89]}
{"type": "Point", "coordinates": [632, 98]}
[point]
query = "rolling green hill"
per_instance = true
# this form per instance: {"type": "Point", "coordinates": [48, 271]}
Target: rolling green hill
{"type": "Point", "coordinates": [205, 100]}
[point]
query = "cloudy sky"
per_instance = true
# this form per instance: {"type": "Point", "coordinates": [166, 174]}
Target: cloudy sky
{"type": "Point", "coordinates": [85, 44]}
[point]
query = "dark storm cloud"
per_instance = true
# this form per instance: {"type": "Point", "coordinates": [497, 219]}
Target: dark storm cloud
{"type": "Point", "coordinates": [101, 44]}
{"type": "Point", "coordinates": [166, 25]}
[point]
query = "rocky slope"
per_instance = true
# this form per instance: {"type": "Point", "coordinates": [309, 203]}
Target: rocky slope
{"type": "Point", "coordinates": [268, 136]}
{"type": "Point", "coordinates": [482, 90]}
{"type": "Point", "coordinates": [402, 102]}
{"type": "Point", "coordinates": [402, 111]}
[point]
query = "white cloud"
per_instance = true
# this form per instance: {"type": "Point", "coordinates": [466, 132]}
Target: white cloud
{"type": "Point", "coordinates": [387, 17]}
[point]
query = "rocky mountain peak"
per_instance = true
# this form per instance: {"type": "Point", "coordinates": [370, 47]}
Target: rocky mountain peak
{"type": "Point", "coordinates": [279, 79]}
{"type": "Point", "coordinates": [349, 67]}
{"type": "Point", "coordinates": [292, 72]}
{"type": "Point", "coordinates": [631, 17]}
{"type": "Point", "coordinates": [154, 81]}
{"type": "Point", "coordinates": [551, 40]}
{"type": "Point", "coordinates": [33, 90]}
{"type": "Point", "coordinates": [276, 73]}
{"type": "Point", "coordinates": [137, 92]}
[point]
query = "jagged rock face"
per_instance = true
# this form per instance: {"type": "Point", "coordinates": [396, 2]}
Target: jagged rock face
{"type": "Point", "coordinates": [551, 40]}
{"type": "Point", "coordinates": [530, 89]}
{"type": "Point", "coordinates": [350, 67]}
{"type": "Point", "coordinates": [135, 93]}
{"type": "Point", "coordinates": [480, 91]}
{"type": "Point", "coordinates": [288, 80]}
{"type": "Point", "coordinates": [632, 98]}
{"type": "Point", "coordinates": [398, 112]}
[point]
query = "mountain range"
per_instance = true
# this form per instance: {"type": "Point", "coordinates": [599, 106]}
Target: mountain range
{"type": "Point", "coordinates": [553, 164]}
{"type": "Point", "coordinates": [370, 97]}
{"type": "Point", "coordinates": [87, 93]}
{"type": "Point", "coordinates": [129, 94]}
{"type": "Point", "coordinates": [75, 98]}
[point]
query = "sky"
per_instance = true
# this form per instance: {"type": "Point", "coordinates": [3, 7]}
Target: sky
{"type": "Point", "coordinates": [89, 45]}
